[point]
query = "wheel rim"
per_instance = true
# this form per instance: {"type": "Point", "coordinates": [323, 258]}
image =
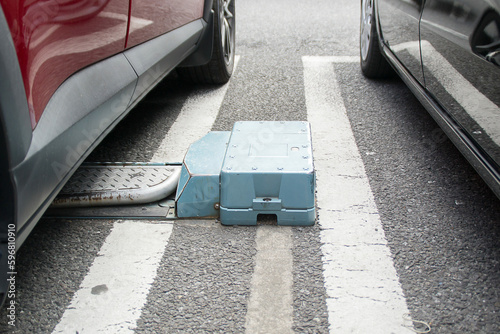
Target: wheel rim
{"type": "Point", "coordinates": [366, 27]}
{"type": "Point", "coordinates": [227, 30]}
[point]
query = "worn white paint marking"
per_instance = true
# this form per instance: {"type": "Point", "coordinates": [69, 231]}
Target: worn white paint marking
{"type": "Point", "coordinates": [337, 59]}
{"type": "Point", "coordinates": [195, 120]}
{"type": "Point", "coordinates": [270, 304]}
{"type": "Point", "coordinates": [114, 291]}
{"type": "Point", "coordinates": [364, 294]}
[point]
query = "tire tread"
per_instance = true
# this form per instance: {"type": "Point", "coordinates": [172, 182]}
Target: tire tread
{"type": "Point", "coordinates": [215, 71]}
{"type": "Point", "coordinates": [375, 66]}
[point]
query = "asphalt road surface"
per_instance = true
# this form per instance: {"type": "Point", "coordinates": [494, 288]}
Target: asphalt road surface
{"type": "Point", "coordinates": [406, 229]}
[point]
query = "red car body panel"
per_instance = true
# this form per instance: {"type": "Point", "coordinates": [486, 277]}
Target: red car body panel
{"type": "Point", "coordinates": [148, 19]}
{"type": "Point", "coordinates": [56, 38]}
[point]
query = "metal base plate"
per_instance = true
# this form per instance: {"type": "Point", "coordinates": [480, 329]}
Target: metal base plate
{"type": "Point", "coordinates": [268, 170]}
{"type": "Point", "coordinates": [107, 184]}
{"type": "Point", "coordinates": [164, 210]}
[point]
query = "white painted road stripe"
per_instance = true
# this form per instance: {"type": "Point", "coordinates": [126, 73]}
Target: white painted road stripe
{"type": "Point", "coordinates": [114, 291]}
{"type": "Point", "coordinates": [363, 290]}
{"type": "Point", "coordinates": [195, 120]}
{"type": "Point", "coordinates": [270, 304]}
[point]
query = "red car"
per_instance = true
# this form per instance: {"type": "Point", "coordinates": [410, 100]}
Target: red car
{"type": "Point", "coordinates": [70, 70]}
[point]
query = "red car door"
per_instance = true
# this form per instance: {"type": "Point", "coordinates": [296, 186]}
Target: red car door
{"type": "Point", "coordinates": [56, 38]}
{"type": "Point", "coordinates": [151, 18]}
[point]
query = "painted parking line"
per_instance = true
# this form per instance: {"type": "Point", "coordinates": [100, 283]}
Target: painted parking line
{"type": "Point", "coordinates": [112, 294]}
{"type": "Point", "coordinates": [114, 291]}
{"type": "Point", "coordinates": [363, 290]}
{"type": "Point", "coordinates": [270, 304]}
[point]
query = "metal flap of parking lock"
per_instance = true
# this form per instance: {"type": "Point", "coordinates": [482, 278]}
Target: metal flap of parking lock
{"type": "Point", "coordinates": [198, 191]}
{"type": "Point", "coordinates": [259, 168]}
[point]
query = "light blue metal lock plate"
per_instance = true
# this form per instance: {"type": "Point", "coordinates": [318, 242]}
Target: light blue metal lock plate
{"type": "Point", "coordinates": [198, 190]}
{"type": "Point", "coordinates": [268, 169]}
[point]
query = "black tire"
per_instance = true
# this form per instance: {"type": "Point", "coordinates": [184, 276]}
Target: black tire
{"type": "Point", "coordinates": [220, 67]}
{"type": "Point", "coordinates": [373, 63]}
